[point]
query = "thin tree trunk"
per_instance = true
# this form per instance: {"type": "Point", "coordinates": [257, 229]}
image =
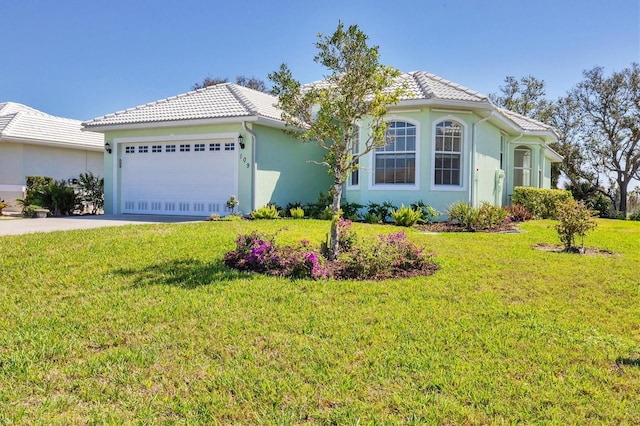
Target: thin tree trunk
{"type": "Point", "coordinates": [334, 242]}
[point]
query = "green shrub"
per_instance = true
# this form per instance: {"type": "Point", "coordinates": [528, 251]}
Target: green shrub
{"type": "Point", "coordinates": [91, 191]}
{"type": "Point", "coordinates": [463, 214]}
{"type": "Point", "coordinates": [317, 210]}
{"type": "Point", "coordinates": [297, 213]}
{"type": "Point", "coordinates": [540, 202]}
{"type": "Point", "coordinates": [351, 210]}
{"type": "Point", "coordinates": [30, 210]}
{"type": "Point", "coordinates": [406, 216]}
{"type": "Point", "coordinates": [383, 211]}
{"type": "Point", "coordinates": [3, 205]}
{"type": "Point", "coordinates": [372, 218]}
{"type": "Point", "coordinates": [574, 220]}
{"type": "Point", "coordinates": [490, 216]}
{"type": "Point", "coordinates": [266, 212]}
{"type": "Point", "coordinates": [290, 206]}
{"type": "Point", "coordinates": [57, 197]}
{"type": "Point", "coordinates": [232, 203]}
{"type": "Point", "coordinates": [635, 215]}
{"type": "Point", "coordinates": [429, 214]}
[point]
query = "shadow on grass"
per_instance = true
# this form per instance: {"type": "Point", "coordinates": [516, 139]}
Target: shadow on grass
{"type": "Point", "coordinates": [184, 273]}
{"type": "Point", "coordinates": [630, 362]}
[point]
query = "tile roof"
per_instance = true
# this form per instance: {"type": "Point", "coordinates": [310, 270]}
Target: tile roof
{"type": "Point", "coordinates": [225, 100]}
{"type": "Point", "coordinates": [424, 85]}
{"type": "Point", "coordinates": [524, 122]}
{"type": "Point", "coordinates": [28, 125]}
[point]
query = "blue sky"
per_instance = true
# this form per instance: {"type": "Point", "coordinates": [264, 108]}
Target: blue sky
{"type": "Point", "coordinates": [86, 58]}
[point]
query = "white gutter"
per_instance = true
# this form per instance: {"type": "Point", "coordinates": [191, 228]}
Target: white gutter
{"type": "Point", "coordinates": [472, 175]}
{"type": "Point", "coordinates": [254, 164]}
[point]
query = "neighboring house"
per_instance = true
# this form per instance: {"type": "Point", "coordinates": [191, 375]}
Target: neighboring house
{"type": "Point", "coordinates": [186, 155]}
{"type": "Point", "coordinates": [33, 143]}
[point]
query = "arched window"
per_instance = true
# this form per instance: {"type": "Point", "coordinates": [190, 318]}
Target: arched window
{"type": "Point", "coordinates": [522, 166]}
{"type": "Point", "coordinates": [448, 142]}
{"type": "Point", "coordinates": [395, 163]}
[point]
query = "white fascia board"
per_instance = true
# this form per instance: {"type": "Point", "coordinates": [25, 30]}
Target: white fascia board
{"type": "Point", "coordinates": [68, 145]}
{"type": "Point", "coordinates": [443, 103]}
{"type": "Point", "coordinates": [178, 138]}
{"type": "Point", "coordinates": [164, 124]}
{"type": "Point", "coordinates": [552, 155]}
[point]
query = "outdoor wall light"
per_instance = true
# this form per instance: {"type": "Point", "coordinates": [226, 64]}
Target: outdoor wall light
{"type": "Point", "coordinates": [107, 147]}
{"type": "Point", "coordinates": [241, 141]}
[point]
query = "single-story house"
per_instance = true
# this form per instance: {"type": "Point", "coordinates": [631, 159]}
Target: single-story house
{"type": "Point", "coordinates": [33, 143]}
{"type": "Point", "coordinates": [186, 155]}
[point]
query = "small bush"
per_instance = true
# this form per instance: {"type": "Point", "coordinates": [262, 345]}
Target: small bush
{"type": "Point", "coordinates": [232, 203]}
{"type": "Point", "coordinates": [317, 210]}
{"type": "Point", "coordinates": [30, 210]}
{"type": "Point", "coordinates": [390, 256]}
{"type": "Point", "coordinates": [351, 210]}
{"type": "Point", "coordinates": [266, 212]}
{"type": "Point", "coordinates": [429, 214]}
{"type": "Point", "coordinates": [518, 213]}
{"type": "Point", "coordinates": [540, 202]}
{"type": "Point", "coordinates": [3, 205]}
{"type": "Point", "coordinates": [490, 216]}
{"type": "Point", "coordinates": [372, 218]}
{"type": "Point", "coordinates": [463, 214]}
{"type": "Point", "coordinates": [297, 213]}
{"type": "Point", "coordinates": [406, 216]}
{"type": "Point", "coordinates": [57, 197]}
{"type": "Point", "coordinates": [635, 215]}
{"type": "Point", "coordinates": [383, 211]}
{"type": "Point", "coordinates": [574, 220]}
{"type": "Point", "coordinates": [290, 206]}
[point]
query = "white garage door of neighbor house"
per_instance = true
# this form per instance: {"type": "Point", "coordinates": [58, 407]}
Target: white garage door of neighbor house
{"type": "Point", "coordinates": [178, 178]}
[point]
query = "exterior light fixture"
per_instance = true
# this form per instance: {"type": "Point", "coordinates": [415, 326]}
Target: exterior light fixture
{"type": "Point", "coordinates": [107, 147]}
{"type": "Point", "coordinates": [241, 141]}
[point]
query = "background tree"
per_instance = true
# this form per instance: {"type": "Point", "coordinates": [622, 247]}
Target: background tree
{"type": "Point", "coordinates": [356, 93]}
{"type": "Point", "coordinates": [526, 96]}
{"type": "Point", "coordinates": [250, 82]}
{"type": "Point", "coordinates": [610, 107]}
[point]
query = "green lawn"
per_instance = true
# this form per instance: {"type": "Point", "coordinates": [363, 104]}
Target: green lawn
{"type": "Point", "coordinates": [144, 324]}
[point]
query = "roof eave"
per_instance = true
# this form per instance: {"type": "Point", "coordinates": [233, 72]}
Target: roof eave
{"type": "Point", "coordinates": [448, 103]}
{"type": "Point", "coordinates": [56, 144]}
{"type": "Point", "coordinates": [164, 124]}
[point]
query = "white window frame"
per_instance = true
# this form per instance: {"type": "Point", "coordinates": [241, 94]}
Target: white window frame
{"type": "Point", "coordinates": [396, 186]}
{"type": "Point", "coordinates": [521, 169]}
{"type": "Point", "coordinates": [464, 163]}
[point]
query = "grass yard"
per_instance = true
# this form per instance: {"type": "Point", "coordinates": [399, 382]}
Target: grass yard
{"type": "Point", "coordinates": [144, 324]}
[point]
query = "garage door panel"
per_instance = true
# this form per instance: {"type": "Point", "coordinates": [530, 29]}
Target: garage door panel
{"type": "Point", "coordinates": [178, 182]}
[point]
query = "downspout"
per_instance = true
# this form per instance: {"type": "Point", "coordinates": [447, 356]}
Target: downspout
{"type": "Point", "coordinates": [254, 164]}
{"type": "Point", "coordinates": [473, 174]}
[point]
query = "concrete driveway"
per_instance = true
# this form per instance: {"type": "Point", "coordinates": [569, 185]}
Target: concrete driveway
{"type": "Point", "coordinates": [18, 226]}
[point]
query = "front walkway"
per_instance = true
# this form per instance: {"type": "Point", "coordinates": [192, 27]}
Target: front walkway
{"type": "Point", "coordinates": [18, 226]}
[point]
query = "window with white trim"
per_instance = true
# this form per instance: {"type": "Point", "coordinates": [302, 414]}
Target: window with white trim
{"type": "Point", "coordinates": [395, 163]}
{"type": "Point", "coordinates": [143, 149]}
{"type": "Point", "coordinates": [156, 148]}
{"type": "Point", "coordinates": [448, 143]}
{"type": "Point", "coordinates": [214, 147]}
{"type": "Point", "coordinates": [129, 149]}
{"type": "Point", "coordinates": [185, 147]}
{"type": "Point", "coordinates": [522, 166]}
{"type": "Point", "coordinates": [199, 147]}
{"type": "Point", "coordinates": [229, 146]}
{"type": "Point", "coordinates": [170, 148]}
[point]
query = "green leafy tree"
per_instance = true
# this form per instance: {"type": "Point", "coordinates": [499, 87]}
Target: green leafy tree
{"type": "Point", "coordinates": [526, 96]}
{"type": "Point", "coordinates": [610, 108]}
{"type": "Point", "coordinates": [250, 82]}
{"type": "Point", "coordinates": [356, 92]}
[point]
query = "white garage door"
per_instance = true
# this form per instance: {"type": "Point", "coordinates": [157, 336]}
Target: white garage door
{"type": "Point", "coordinates": [178, 178]}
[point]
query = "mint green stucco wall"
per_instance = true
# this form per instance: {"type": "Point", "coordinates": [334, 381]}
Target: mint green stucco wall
{"type": "Point", "coordinates": [285, 171]}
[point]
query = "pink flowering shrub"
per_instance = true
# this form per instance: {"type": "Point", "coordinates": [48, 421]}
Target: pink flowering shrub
{"type": "Point", "coordinates": [259, 253]}
{"type": "Point", "coordinates": [388, 256]}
